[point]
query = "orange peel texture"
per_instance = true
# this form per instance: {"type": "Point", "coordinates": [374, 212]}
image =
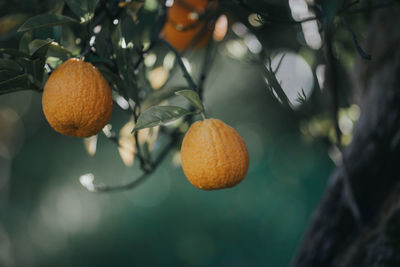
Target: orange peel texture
{"type": "Point", "coordinates": [76, 99]}
{"type": "Point", "coordinates": [213, 155]}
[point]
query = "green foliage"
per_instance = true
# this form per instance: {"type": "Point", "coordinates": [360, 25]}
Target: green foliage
{"type": "Point", "coordinates": [26, 71]}
{"type": "Point", "coordinates": [38, 59]}
{"type": "Point", "coordinates": [84, 9]}
{"type": "Point", "coordinates": [24, 42]}
{"type": "Point", "coordinates": [45, 20]}
{"type": "Point", "coordinates": [117, 36]}
{"type": "Point", "coordinates": [14, 84]}
{"type": "Point", "coordinates": [193, 98]}
{"type": "Point", "coordinates": [159, 115]}
{"type": "Point", "coordinates": [54, 49]}
{"type": "Point", "coordinates": [124, 56]}
{"type": "Point", "coordinates": [7, 64]}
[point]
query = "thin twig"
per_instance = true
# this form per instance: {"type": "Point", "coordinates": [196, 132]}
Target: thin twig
{"type": "Point", "coordinates": [205, 69]}
{"type": "Point", "coordinates": [142, 55]}
{"type": "Point", "coordinates": [186, 74]}
{"type": "Point", "coordinates": [145, 164]}
{"type": "Point", "coordinates": [355, 40]}
{"type": "Point", "coordinates": [102, 188]}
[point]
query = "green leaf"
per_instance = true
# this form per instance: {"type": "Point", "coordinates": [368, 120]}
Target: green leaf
{"type": "Point", "coordinates": [41, 51]}
{"type": "Point", "coordinates": [159, 115]}
{"type": "Point", "coordinates": [26, 64]}
{"type": "Point", "coordinates": [45, 20]}
{"type": "Point", "coordinates": [193, 98]}
{"type": "Point", "coordinates": [17, 83]}
{"type": "Point", "coordinates": [24, 42]}
{"type": "Point", "coordinates": [13, 52]}
{"type": "Point", "coordinates": [83, 8]}
{"type": "Point", "coordinates": [159, 95]}
{"type": "Point", "coordinates": [133, 7]}
{"type": "Point", "coordinates": [7, 74]}
{"type": "Point", "coordinates": [54, 49]}
{"type": "Point", "coordinates": [124, 55]}
{"type": "Point", "coordinates": [7, 64]}
{"type": "Point", "coordinates": [38, 60]}
{"type": "Point", "coordinates": [112, 78]}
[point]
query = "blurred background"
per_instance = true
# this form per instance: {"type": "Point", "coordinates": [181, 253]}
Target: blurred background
{"type": "Point", "coordinates": [48, 218]}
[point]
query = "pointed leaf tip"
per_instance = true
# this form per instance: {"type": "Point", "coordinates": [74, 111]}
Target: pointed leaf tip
{"type": "Point", "coordinates": [158, 115]}
{"type": "Point", "coordinates": [192, 97]}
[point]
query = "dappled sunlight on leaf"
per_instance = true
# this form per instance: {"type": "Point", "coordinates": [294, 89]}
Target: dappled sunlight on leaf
{"type": "Point", "coordinates": [300, 12]}
{"type": "Point", "coordinates": [176, 159]}
{"type": "Point", "coordinates": [320, 73]}
{"type": "Point", "coordinates": [169, 61]}
{"type": "Point", "coordinates": [236, 49]}
{"type": "Point", "coordinates": [90, 145]}
{"type": "Point", "coordinates": [239, 29]}
{"type": "Point", "coordinates": [221, 28]}
{"type": "Point", "coordinates": [253, 44]}
{"type": "Point", "coordinates": [127, 143]}
{"type": "Point", "coordinates": [132, 7]}
{"type": "Point", "coordinates": [87, 180]}
{"type": "Point", "coordinates": [158, 77]}
{"type": "Point", "coordinates": [107, 131]}
{"type": "Point", "coordinates": [84, 9]}
{"type": "Point", "coordinates": [322, 126]}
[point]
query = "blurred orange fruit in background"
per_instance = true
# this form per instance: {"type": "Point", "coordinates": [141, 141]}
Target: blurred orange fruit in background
{"type": "Point", "coordinates": [187, 24]}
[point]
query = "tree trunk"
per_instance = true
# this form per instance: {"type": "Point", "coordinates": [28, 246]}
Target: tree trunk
{"type": "Point", "coordinates": [372, 165]}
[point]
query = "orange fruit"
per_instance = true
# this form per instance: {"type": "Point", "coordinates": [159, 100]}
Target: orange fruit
{"type": "Point", "coordinates": [213, 155]}
{"type": "Point", "coordinates": [76, 99]}
{"type": "Point", "coordinates": [186, 13]}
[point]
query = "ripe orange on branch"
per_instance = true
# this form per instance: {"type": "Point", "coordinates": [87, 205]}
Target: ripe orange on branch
{"type": "Point", "coordinates": [213, 155]}
{"type": "Point", "coordinates": [76, 99]}
{"type": "Point", "coordinates": [186, 24]}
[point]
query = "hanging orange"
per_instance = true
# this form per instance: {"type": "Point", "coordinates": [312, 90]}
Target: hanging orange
{"type": "Point", "coordinates": [213, 155]}
{"type": "Point", "coordinates": [76, 99]}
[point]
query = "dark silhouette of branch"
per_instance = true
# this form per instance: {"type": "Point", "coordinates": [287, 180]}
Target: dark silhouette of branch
{"type": "Point", "coordinates": [102, 188]}
{"type": "Point", "coordinates": [355, 40]}
{"type": "Point", "coordinates": [178, 56]}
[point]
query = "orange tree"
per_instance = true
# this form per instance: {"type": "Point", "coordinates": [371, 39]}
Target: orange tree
{"type": "Point", "coordinates": [116, 38]}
